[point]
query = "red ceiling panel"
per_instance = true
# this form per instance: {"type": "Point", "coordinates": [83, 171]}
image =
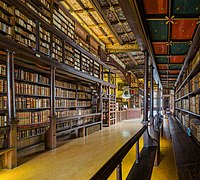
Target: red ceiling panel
{"type": "Point", "coordinates": [156, 6]}
{"type": "Point", "coordinates": [160, 48]}
{"type": "Point", "coordinates": [177, 59]}
{"type": "Point", "coordinates": [162, 66]}
{"type": "Point", "coordinates": [173, 71]}
{"type": "Point", "coordinates": [183, 29]}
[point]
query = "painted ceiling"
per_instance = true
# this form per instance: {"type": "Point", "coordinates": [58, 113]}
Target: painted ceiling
{"type": "Point", "coordinates": [171, 26]}
{"type": "Point", "coordinates": [106, 21]}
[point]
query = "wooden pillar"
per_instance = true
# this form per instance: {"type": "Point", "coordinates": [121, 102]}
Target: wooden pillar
{"type": "Point", "coordinates": [109, 105]}
{"type": "Point", "coordinates": [100, 105]}
{"type": "Point", "coordinates": [151, 93]}
{"type": "Point", "coordinates": [12, 155]}
{"type": "Point", "coordinates": [51, 132]}
{"type": "Point", "coordinates": [145, 111]}
{"type": "Point", "coordinates": [148, 141]}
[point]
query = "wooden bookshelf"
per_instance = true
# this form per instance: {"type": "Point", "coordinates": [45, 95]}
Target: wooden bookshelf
{"type": "Point", "coordinates": [109, 105]}
{"type": "Point", "coordinates": [187, 98]}
{"type": "Point", "coordinates": [50, 86]}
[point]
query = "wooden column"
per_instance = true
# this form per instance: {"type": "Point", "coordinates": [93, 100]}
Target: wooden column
{"type": "Point", "coordinates": [12, 155]}
{"type": "Point", "coordinates": [145, 111]}
{"type": "Point", "coordinates": [108, 105]}
{"type": "Point", "coordinates": [151, 93]}
{"type": "Point", "coordinates": [51, 132]}
{"type": "Point", "coordinates": [148, 141]}
{"type": "Point", "coordinates": [100, 105]}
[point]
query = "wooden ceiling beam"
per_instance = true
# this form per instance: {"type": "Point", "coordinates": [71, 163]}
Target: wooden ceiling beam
{"type": "Point", "coordinates": [132, 58]}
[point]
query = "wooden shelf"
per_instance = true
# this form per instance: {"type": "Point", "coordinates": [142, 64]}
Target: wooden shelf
{"type": "Point", "coordinates": [62, 131]}
{"type": "Point", "coordinates": [76, 117]}
{"type": "Point", "coordinates": [33, 125]}
{"type": "Point", "coordinates": [32, 95]}
{"type": "Point", "coordinates": [197, 91]}
{"type": "Point", "coordinates": [190, 75]}
{"type": "Point", "coordinates": [32, 109]}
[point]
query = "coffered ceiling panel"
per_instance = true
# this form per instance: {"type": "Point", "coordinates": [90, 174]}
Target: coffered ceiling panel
{"type": "Point", "coordinates": [160, 48]}
{"type": "Point", "coordinates": [186, 7]}
{"type": "Point", "coordinates": [183, 29]}
{"type": "Point", "coordinates": [171, 26]}
{"type": "Point", "coordinates": [156, 6]}
{"type": "Point", "coordinates": [158, 30]}
{"type": "Point", "coordinates": [177, 59]}
{"type": "Point", "coordinates": [179, 48]}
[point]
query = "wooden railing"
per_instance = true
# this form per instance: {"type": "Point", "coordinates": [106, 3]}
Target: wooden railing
{"type": "Point", "coordinates": [115, 162]}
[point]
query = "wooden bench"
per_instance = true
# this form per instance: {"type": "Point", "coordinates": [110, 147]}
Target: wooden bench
{"type": "Point", "coordinates": [6, 157]}
{"type": "Point", "coordinates": [186, 150]}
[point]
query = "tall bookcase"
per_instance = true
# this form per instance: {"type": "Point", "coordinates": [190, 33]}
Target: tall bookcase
{"type": "Point", "coordinates": [187, 98]}
{"type": "Point", "coordinates": [51, 86]}
{"type": "Point", "coordinates": [109, 105]}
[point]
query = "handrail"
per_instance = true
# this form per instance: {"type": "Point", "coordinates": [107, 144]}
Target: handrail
{"type": "Point", "coordinates": [105, 171]}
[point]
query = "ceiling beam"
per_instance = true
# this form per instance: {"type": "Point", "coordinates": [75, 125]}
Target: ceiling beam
{"type": "Point", "coordinates": [132, 58]}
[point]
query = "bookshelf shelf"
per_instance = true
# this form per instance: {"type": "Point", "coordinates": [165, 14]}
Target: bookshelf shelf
{"type": "Point", "coordinates": [187, 98]}
{"type": "Point", "coordinates": [46, 53]}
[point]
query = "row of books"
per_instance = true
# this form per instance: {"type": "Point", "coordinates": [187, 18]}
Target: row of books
{"type": "Point", "coordinates": [83, 103]}
{"type": "Point", "coordinates": [24, 21]}
{"type": "Point", "coordinates": [31, 132]}
{"type": "Point", "coordinates": [3, 86]}
{"type": "Point", "coordinates": [25, 41]}
{"type": "Point", "coordinates": [185, 104]}
{"type": "Point", "coordinates": [6, 17]}
{"type": "Point", "coordinates": [63, 125]}
{"type": "Point", "coordinates": [24, 88]}
{"type": "Point", "coordinates": [62, 22]}
{"type": "Point", "coordinates": [193, 64]}
{"type": "Point", "coordinates": [30, 76]}
{"type": "Point", "coordinates": [44, 14]}
{"type": "Point", "coordinates": [195, 82]}
{"type": "Point", "coordinates": [65, 84]}
{"type": "Point", "coordinates": [195, 128]}
{"type": "Point", "coordinates": [26, 118]}
{"type": "Point", "coordinates": [5, 28]}
{"type": "Point", "coordinates": [57, 49]}
{"type": "Point", "coordinates": [6, 7]}
{"type": "Point", "coordinates": [22, 102]}
{"type": "Point", "coordinates": [3, 102]}
{"type": "Point", "coordinates": [2, 69]}
{"type": "Point", "coordinates": [65, 93]}
{"type": "Point", "coordinates": [65, 103]}
{"type": "Point", "coordinates": [194, 104]}
{"type": "Point", "coordinates": [84, 95]}
{"type": "Point", "coordinates": [70, 113]}
{"type": "Point", "coordinates": [3, 120]}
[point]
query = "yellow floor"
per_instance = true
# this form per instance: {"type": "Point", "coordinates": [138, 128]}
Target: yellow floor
{"type": "Point", "coordinates": [167, 167]}
{"type": "Point", "coordinates": [80, 158]}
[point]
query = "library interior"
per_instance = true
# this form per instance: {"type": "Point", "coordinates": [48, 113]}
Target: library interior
{"type": "Point", "coordinates": [99, 89]}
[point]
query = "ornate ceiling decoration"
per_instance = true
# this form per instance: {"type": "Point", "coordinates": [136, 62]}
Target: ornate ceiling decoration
{"type": "Point", "coordinates": [171, 26]}
{"type": "Point", "coordinates": [106, 21]}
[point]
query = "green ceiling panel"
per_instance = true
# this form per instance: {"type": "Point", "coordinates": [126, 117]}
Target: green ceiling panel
{"type": "Point", "coordinates": [186, 7]}
{"type": "Point", "coordinates": [172, 76]}
{"type": "Point", "coordinates": [175, 66]}
{"type": "Point", "coordinates": [179, 48]}
{"type": "Point", "coordinates": [162, 72]}
{"type": "Point", "coordinates": [158, 30]}
{"type": "Point", "coordinates": [162, 60]}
